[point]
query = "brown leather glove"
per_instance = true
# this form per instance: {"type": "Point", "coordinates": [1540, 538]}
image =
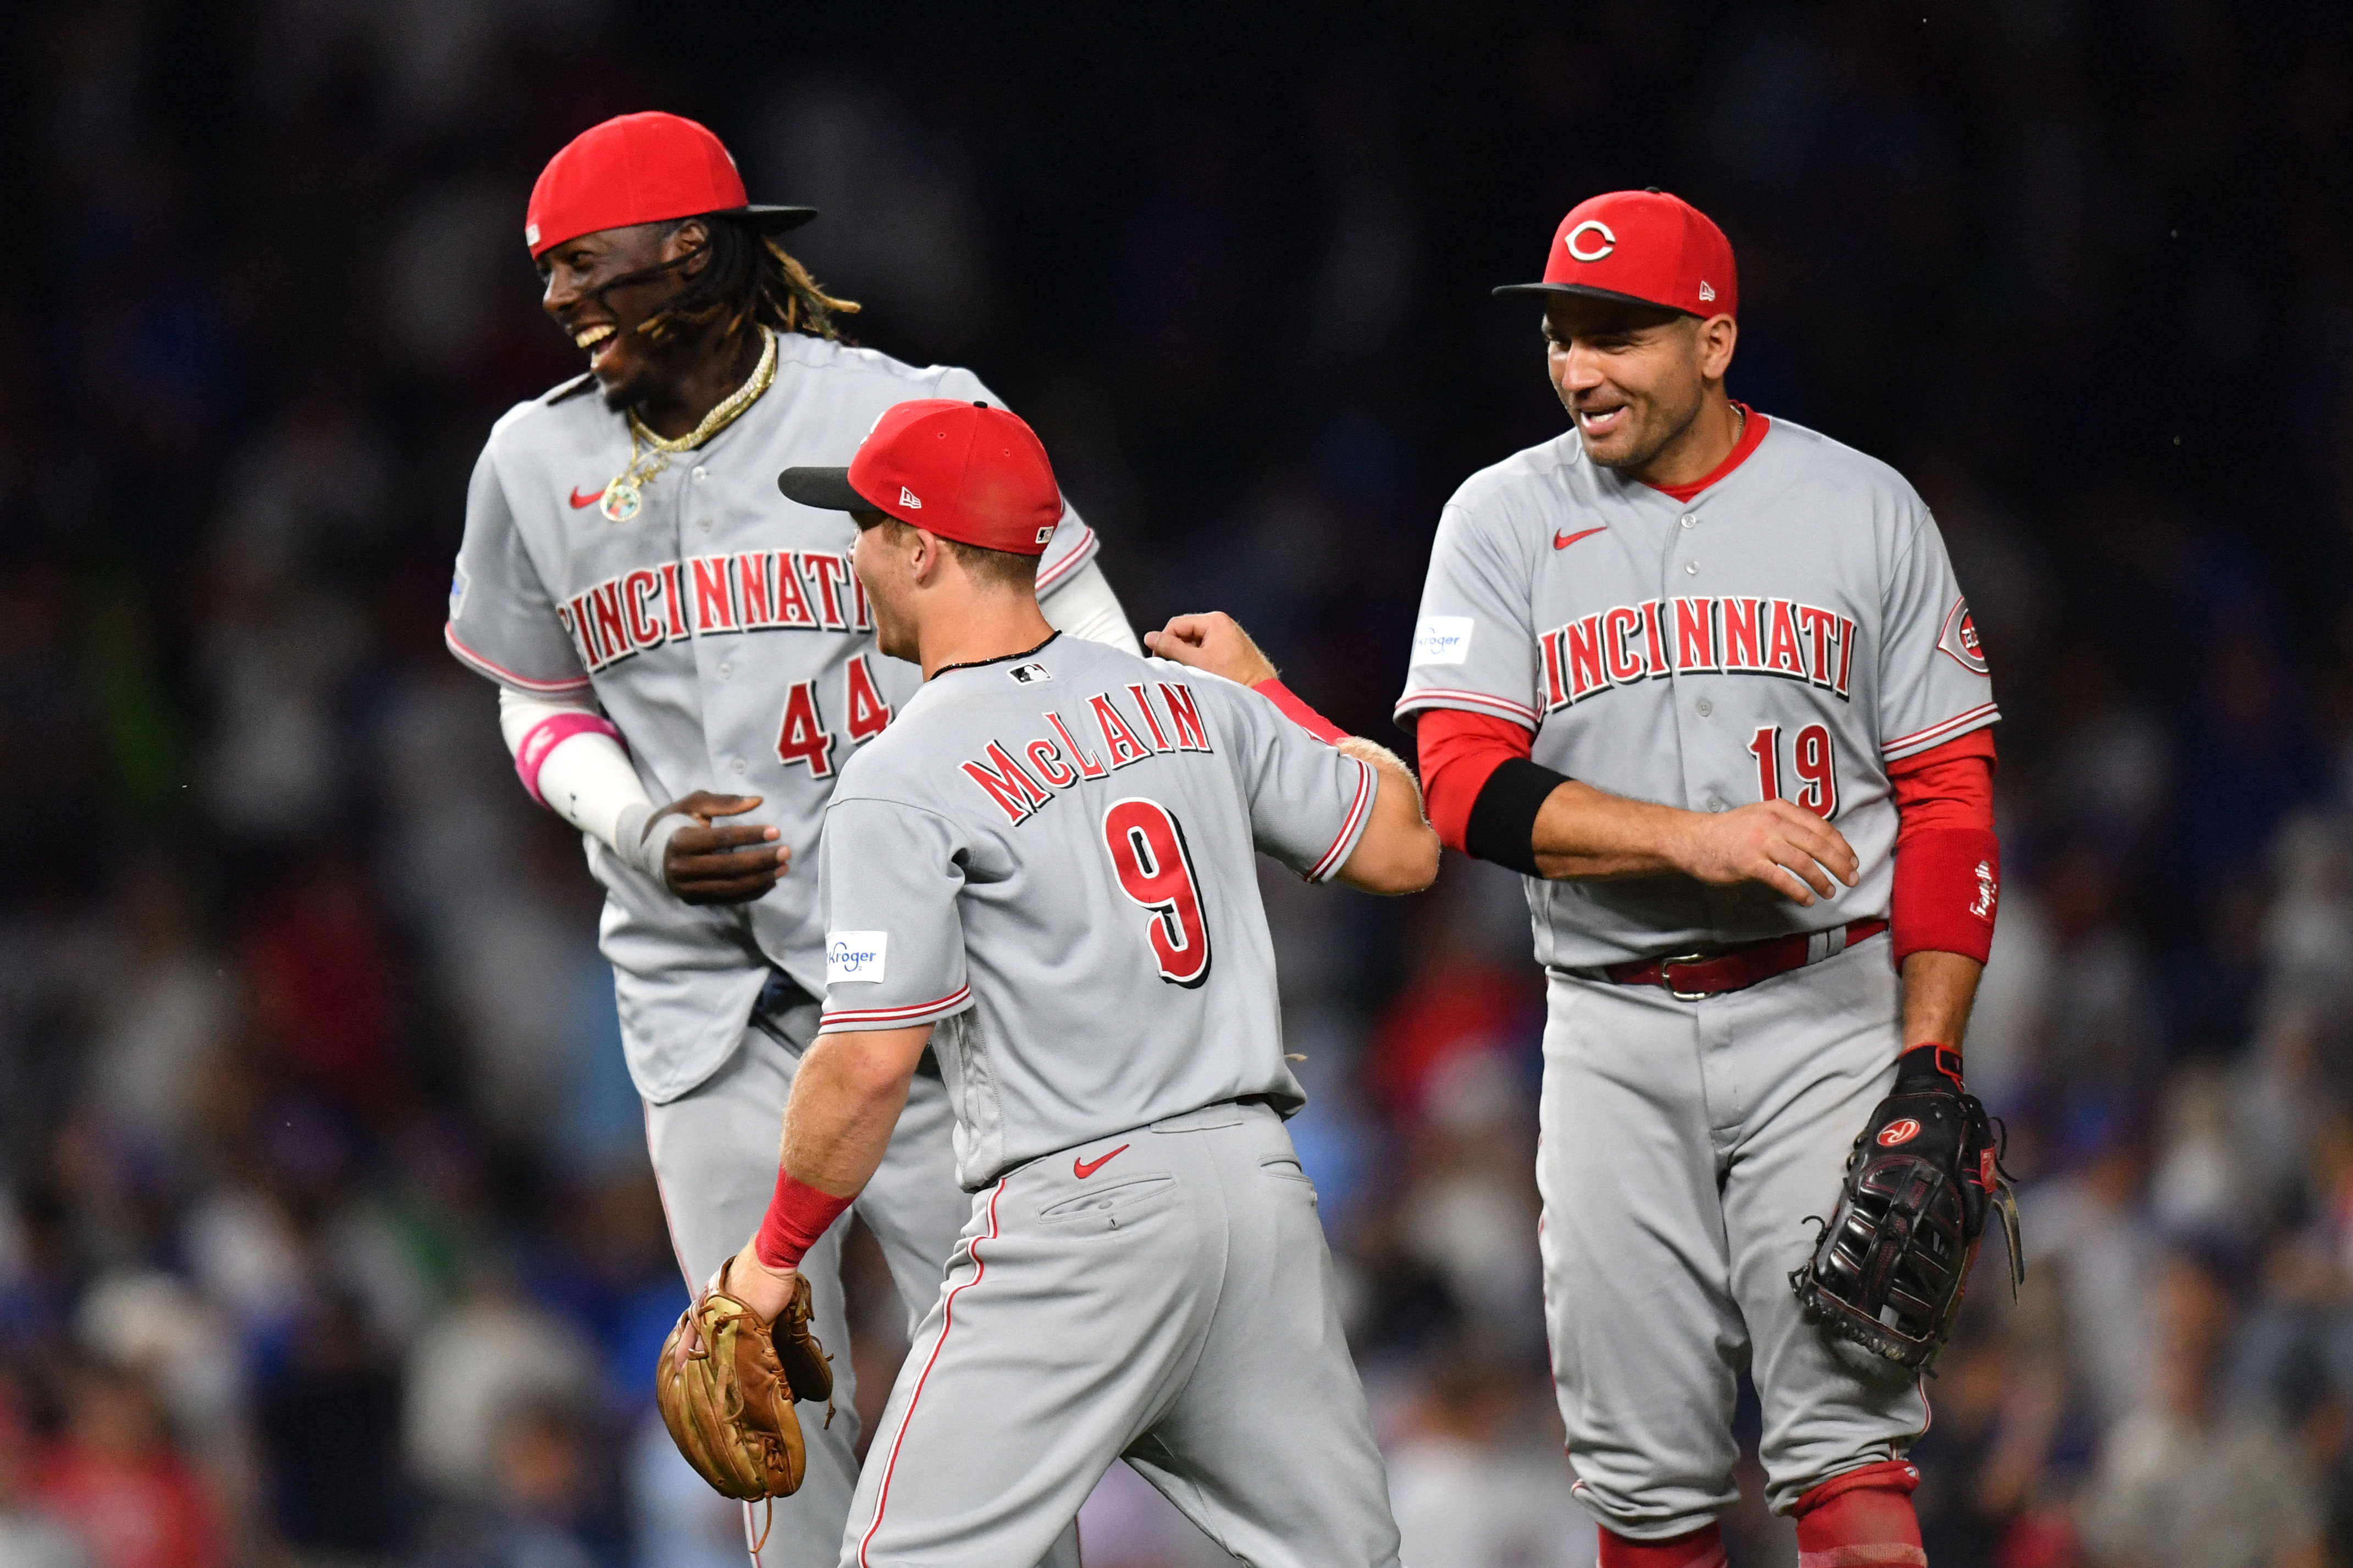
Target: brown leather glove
{"type": "Point", "coordinates": [727, 1388]}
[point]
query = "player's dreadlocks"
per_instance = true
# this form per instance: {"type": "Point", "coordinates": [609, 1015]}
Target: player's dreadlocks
{"type": "Point", "coordinates": [748, 278]}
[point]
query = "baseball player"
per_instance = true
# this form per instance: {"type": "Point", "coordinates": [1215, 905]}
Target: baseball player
{"type": "Point", "coordinates": [1705, 678]}
{"type": "Point", "coordinates": [686, 661]}
{"type": "Point", "coordinates": [1044, 873]}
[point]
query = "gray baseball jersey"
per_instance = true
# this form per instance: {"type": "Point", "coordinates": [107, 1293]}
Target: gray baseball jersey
{"type": "Point", "coordinates": [724, 631]}
{"type": "Point", "coordinates": [1787, 633]}
{"type": "Point", "coordinates": [1051, 855]}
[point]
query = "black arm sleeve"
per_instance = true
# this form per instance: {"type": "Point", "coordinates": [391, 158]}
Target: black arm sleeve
{"type": "Point", "coordinates": [1502, 821]}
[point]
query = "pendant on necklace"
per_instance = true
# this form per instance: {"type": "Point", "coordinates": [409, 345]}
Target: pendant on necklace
{"type": "Point", "coordinates": [621, 501]}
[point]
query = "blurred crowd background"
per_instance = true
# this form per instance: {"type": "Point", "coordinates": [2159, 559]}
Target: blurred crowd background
{"type": "Point", "coordinates": [326, 1233]}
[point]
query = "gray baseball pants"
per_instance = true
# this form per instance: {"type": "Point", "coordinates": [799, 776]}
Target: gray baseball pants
{"type": "Point", "coordinates": [1684, 1144]}
{"type": "Point", "coordinates": [714, 1155]}
{"type": "Point", "coordinates": [1163, 1295]}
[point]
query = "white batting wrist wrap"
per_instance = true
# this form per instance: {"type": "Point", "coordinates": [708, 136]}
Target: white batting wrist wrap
{"type": "Point", "coordinates": [587, 780]}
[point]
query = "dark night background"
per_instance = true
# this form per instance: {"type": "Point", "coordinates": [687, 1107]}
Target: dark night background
{"type": "Point", "coordinates": [314, 1113]}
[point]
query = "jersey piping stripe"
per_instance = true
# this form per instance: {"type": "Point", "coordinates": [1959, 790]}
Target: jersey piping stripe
{"type": "Point", "coordinates": [1983, 712]}
{"type": "Point", "coordinates": [1081, 554]}
{"type": "Point", "coordinates": [1484, 701]}
{"type": "Point", "coordinates": [501, 673]}
{"type": "Point", "coordinates": [1338, 853]}
{"type": "Point", "coordinates": [909, 1015]}
{"type": "Point", "coordinates": [947, 1324]}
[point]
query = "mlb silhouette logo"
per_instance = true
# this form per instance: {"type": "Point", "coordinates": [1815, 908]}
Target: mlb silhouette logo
{"type": "Point", "coordinates": [1030, 674]}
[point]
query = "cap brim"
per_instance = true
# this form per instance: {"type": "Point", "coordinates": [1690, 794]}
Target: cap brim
{"type": "Point", "coordinates": [827, 489]}
{"type": "Point", "coordinates": [1588, 292]}
{"type": "Point", "coordinates": [768, 219]}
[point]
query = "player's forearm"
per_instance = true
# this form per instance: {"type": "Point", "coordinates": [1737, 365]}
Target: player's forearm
{"type": "Point", "coordinates": [1938, 990]}
{"type": "Point", "coordinates": [1398, 851]}
{"type": "Point", "coordinates": [571, 760]}
{"type": "Point", "coordinates": [1582, 833]}
{"type": "Point", "coordinates": [846, 1099]}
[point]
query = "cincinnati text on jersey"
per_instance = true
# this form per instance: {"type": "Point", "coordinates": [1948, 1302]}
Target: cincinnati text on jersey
{"type": "Point", "coordinates": [756, 591]}
{"type": "Point", "coordinates": [1728, 636]}
{"type": "Point", "coordinates": [1062, 759]}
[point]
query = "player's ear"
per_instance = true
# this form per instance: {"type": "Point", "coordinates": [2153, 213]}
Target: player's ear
{"type": "Point", "coordinates": [687, 239]}
{"type": "Point", "coordinates": [1717, 337]}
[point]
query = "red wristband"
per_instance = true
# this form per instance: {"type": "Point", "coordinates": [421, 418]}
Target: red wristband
{"type": "Point", "coordinates": [1947, 881]}
{"type": "Point", "coordinates": [798, 1215]}
{"type": "Point", "coordinates": [1306, 718]}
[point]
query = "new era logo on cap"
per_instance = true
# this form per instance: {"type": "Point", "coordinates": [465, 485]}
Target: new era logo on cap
{"type": "Point", "coordinates": [907, 499]}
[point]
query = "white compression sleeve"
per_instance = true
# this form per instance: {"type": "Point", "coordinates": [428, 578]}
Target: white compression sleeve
{"type": "Point", "coordinates": [1086, 607]}
{"type": "Point", "coordinates": [587, 779]}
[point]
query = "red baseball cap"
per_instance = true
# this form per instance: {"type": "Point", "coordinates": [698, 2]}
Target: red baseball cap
{"type": "Point", "coordinates": [641, 168]}
{"type": "Point", "coordinates": [1644, 246]}
{"type": "Point", "coordinates": [964, 470]}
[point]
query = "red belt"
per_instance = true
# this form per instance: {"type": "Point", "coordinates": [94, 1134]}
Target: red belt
{"type": "Point", "coordinates": [1692, 976]}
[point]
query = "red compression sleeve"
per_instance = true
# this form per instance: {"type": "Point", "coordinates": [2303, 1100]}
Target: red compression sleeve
{"type": "Point", "coordinates": [1458, 752]}
{"type": "Point", "coordinates": [1864, 1516]}
{"type": "Point", "coordinates": [1306, 718]}
{"type": "Point", "coordinates": [1947, 860]}
{"type": "Point", "coordinates": [1701, 1548]}
{"type": "Point", "coordinates": [798, 1214]}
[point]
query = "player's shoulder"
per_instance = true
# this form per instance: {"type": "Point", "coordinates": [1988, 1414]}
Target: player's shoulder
{"type": "Point", "coordinates": [570, 408]}
{"type": "Point", "coordinates": [1807, 456]}
{"type": "Point", "coordinates": [1547, 471]}
{"type": "Point", "coordinates": [848, 364]}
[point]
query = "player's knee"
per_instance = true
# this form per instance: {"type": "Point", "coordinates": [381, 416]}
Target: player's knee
{"type": "Point", "coordinates": [1701, 1548]}
{"type": "Point", "coordinates": [1870, 1507]}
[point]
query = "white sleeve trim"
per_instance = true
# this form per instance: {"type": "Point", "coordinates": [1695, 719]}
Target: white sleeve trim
{"type": "Point", "coordinates": [1469, 701]}
{"type": "Point", "coordinates": [587, 779]}
{"type": "Point", "coordinates": [1960, 724]}
{"type": "Point", "coordinates": [1360, 813]}
{"type": "Point", "coordinates": [508, 679]}
{"type": "Point", "coordinates": [1085, 607]}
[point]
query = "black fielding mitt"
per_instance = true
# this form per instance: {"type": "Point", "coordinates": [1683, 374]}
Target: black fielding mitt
{"type": "Point", "coordinates": [1889, 1268]}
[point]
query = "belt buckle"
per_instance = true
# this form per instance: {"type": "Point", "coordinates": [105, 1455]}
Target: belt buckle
{"type": "Point", "coordinates": [1667, 977]}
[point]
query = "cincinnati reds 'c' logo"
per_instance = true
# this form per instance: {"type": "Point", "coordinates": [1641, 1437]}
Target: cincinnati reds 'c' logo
{"type": "Point", "coordinates": [1899, 1132]}
{"type": "Point", "coordinates": [1960, 639]}
{"type": "Point", "coordinates": [1609, 240]}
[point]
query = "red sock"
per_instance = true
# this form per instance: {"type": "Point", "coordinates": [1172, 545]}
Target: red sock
{"type": "Point", "coordinates": [1701, 1548]}
{"type": "Point", "coordinates": [1863, 1519]}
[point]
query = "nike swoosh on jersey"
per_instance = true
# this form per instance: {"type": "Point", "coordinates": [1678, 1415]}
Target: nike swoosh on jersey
{"type": "Point", "coordinates": [579, 501]}
{"type": "Point", "coordinates": [1559, 540]}
{"type": "Point", "coordinates": [1083, 1169]}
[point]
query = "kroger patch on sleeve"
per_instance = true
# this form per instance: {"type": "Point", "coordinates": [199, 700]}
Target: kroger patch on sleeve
{"type": "Point", "coordinates": [1442, 639]}
{"type": "Point", "coordinates": [855, 957]}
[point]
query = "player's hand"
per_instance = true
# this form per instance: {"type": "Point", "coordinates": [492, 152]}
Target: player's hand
{"type": "Point", "coordinates": [1777, 842]}
{"type": "Point", "coordinates": [763, 1289]}
{"type": "Point", "coordinates": [711, 863]}
{"type": "Point", "coordinates": [1213, 641]}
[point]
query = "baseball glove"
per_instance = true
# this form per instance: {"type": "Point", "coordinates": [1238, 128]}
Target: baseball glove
{"type": "Point", "coordinates": [726, 1383]}
{"type": "Point", "coordinates": [1889, 1268]}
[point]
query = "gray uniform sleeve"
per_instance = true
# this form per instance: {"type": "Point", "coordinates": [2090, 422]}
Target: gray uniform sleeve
{"type": "Point", "coordinates": [1308, 802]}
{"type": "Point", "coordinates": [888, 880]}
{"type": "Point", "coordinates": [1933, 680]}
{"type": "Point", "coordinates": [501, 622]}
{"type": "Point", "coordinates": [1473, 645]}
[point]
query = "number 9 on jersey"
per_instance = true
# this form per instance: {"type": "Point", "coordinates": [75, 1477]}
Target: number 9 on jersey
{"type": "Point", "coordinates": [1154, 869]}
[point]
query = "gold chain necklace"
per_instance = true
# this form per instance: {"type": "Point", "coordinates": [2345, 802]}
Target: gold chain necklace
{"type": "Point", "coordinates": [624, 496]}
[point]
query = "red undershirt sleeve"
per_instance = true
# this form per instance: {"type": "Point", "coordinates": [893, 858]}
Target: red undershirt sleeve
{"type": "Point", "coordinates": [1947, 860]}
{"type": "Point", "coordinates": [1461, 754]}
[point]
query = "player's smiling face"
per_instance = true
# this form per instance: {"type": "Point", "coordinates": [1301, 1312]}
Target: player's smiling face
{"type": "Point", "coordinates": [602, 319]}
{"type": "Point", "coordinates": [883, 562]}
{"type": "Point", "coordinates": [1633, 376]}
